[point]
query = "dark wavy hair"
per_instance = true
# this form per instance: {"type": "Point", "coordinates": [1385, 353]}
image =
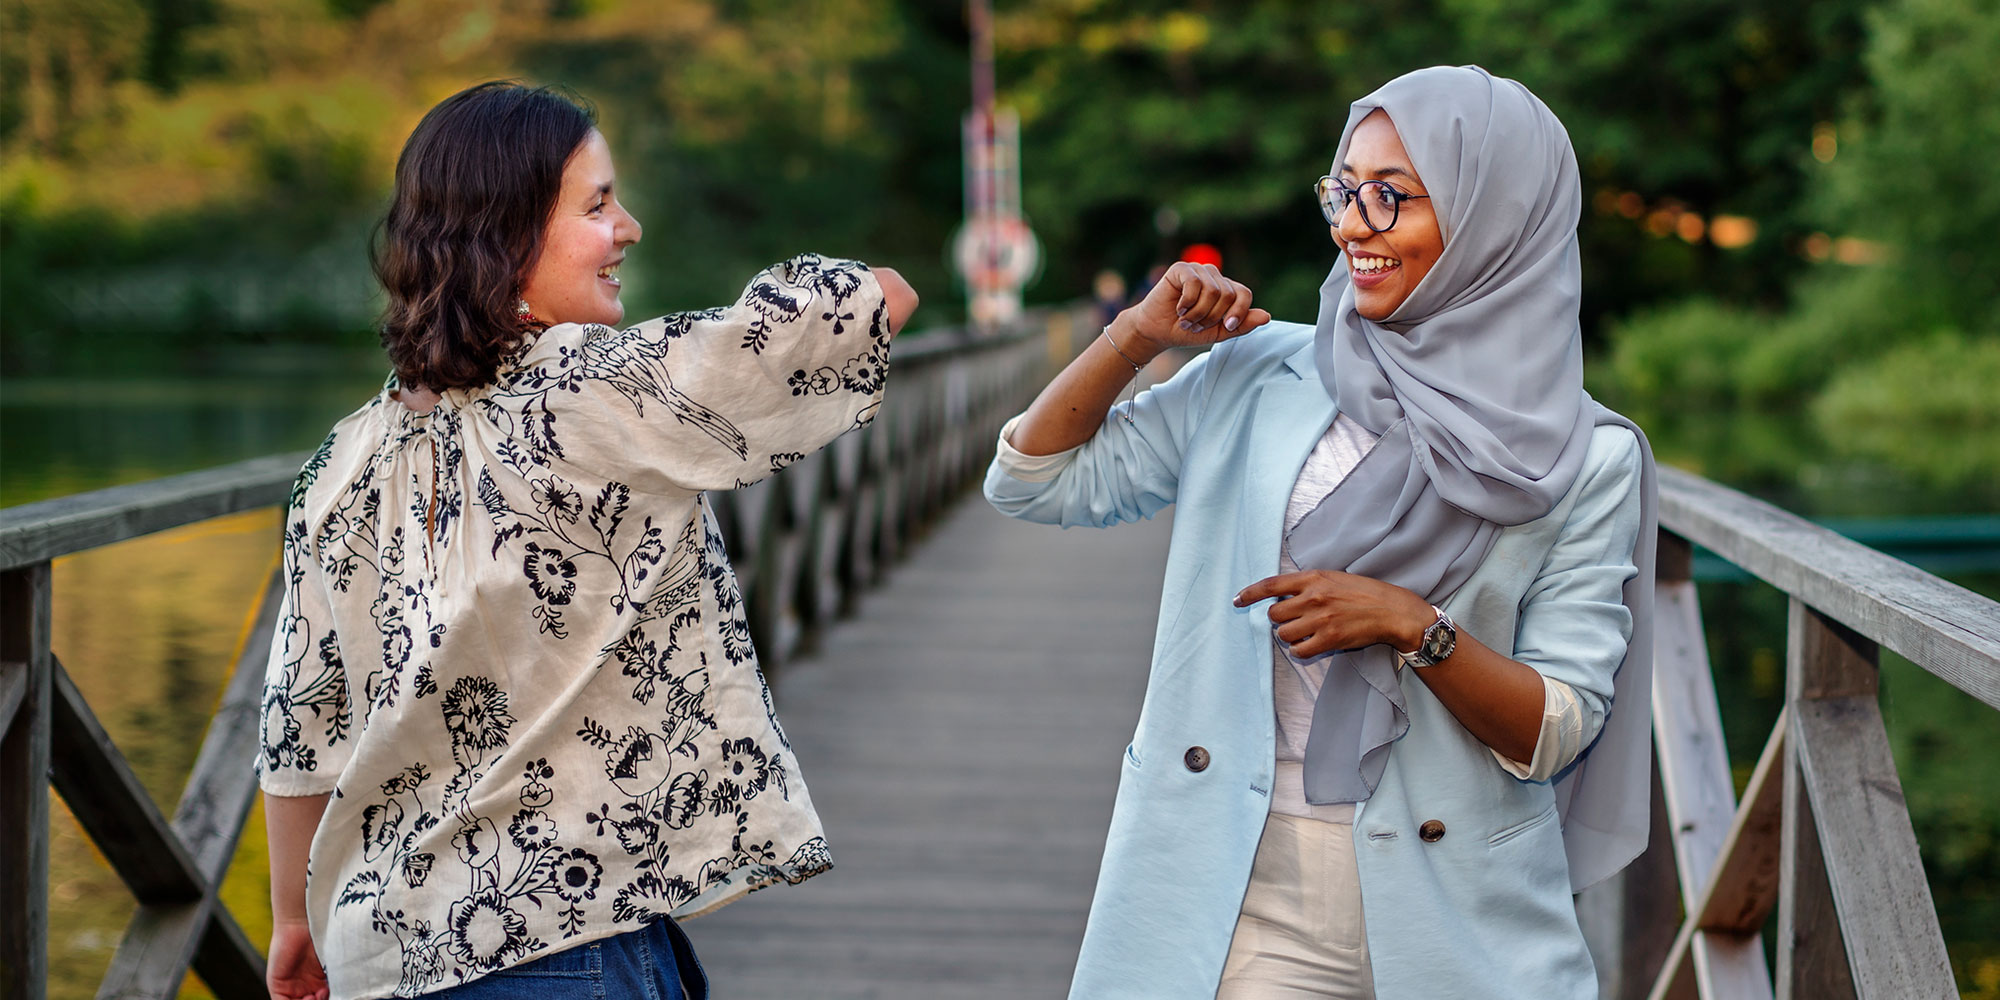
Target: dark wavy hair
{"type": "Point", "coordinates": [475, 186]}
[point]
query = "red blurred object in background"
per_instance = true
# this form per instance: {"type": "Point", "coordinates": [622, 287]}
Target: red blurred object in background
{"type": "Point", "coordinates": [1202, 253]}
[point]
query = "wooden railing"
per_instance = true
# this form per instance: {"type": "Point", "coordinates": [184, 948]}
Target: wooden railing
{"type": "Point", "coordinates": [1822, 834]}
{"type": "Point", "coordinates": [804, 543]}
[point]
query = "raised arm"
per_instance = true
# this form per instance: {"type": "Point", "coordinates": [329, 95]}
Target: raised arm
{"type": "Point", "coordinates": [1192, 305]}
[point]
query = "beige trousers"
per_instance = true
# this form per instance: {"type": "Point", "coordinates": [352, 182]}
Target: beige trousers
{"type": "Point", "coordinates": [1300, 935]}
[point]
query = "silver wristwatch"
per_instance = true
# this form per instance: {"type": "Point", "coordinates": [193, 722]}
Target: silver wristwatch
{"type": "Point", "coordinates": [1438, 642]}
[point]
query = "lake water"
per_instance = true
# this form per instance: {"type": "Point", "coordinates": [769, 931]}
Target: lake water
{"type": "Point", "coordinates": [149, 627]}
{"type": "Point", "coordinates": [62, 436]}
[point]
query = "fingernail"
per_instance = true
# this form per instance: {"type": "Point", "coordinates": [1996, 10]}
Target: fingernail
{"type": "Point", "coordinates": [1229, 324]}
{"type": "Point", "coordinates": [1189, 326]}
{"type": "Point", "coordinates": [1182, 311]}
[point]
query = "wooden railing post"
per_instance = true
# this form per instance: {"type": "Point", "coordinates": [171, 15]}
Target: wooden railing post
{"type": "Point", "coordinates": [1823, 660]}
{"type": "Point", "coordinates": [25, 687]}
{"type": "Point", "coordinates": [1855, 915]}
{"type": "Point", "coordinates": [1718, 951]}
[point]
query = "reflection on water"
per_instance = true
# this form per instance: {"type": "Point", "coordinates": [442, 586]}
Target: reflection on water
{"type": "Point", "coordinates": [64, 436]}
{"type": "Point", "coordinates": [148, 628]}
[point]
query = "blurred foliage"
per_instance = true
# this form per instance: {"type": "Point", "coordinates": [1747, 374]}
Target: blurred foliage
{"type": "Point", "coordinates": [181, 178]}
{"type": "Point", "coordinates": [1225, 113]}
{"type": "Point", "coordinates": [1930, 408]}
{"type": "Point", "coordinates": [1891, 348]}
{"type": "Point", "coordinates": [1921, 177]}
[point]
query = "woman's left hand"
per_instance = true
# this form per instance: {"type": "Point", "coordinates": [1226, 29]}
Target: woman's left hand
{"type": "Point", "coordinates": [293, 971]}
{"type": "Point", "coordinates": [1319, 611]}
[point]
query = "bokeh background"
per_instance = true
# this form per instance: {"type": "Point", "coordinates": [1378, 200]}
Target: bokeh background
{"type": "Point", "coordinates": [1791, 274]}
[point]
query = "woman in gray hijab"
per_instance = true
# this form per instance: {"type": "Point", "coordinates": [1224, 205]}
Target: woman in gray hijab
{"type": "Point", "coordinates": [1399, 704]}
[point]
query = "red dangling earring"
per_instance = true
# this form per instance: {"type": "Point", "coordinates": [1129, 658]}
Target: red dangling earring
{"type": "Point", "coordinates": [527, 316]}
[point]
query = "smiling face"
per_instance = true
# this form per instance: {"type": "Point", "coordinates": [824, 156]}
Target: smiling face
{"type": "Point", "coordinates": [575, 277]}
{"type": "Point", "coordinates": [1386, 267]}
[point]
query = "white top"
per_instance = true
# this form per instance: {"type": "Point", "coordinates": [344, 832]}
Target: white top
{"type": "Point", "coordinates": [1567, 725]}
{"type": "Point", "coordinates": [512, 647]}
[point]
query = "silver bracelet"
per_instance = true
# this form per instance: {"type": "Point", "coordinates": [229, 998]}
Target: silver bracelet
{"type": "Point", "coordinates": [1136, 369]}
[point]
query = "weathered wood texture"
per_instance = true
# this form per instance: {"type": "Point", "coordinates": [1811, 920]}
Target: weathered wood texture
{"type": "Point", "coordinates": [39, 531]}
{"type": "Point", "coordinates": [1719, 951]}
{"type": "Point", "coordinates": [13, 691]}
{"type": "Point", "coordinates": [173, 870]}
{"type": "Point", "coordinates": [1701, 799]}
{"type": "Point", "coordinates": [1687, 730]}
{"type": "Point", "coordinates": [1812, 958]}
{"type": "Point", "coordinates": [1629, 920]}
{"type": "Point", "coordinates": [24, 785]}
{"type": "Point", "coordinates": [168, 934]}
{"type": "Point", "coordinates": [962, 737]}
{"type": "Point", "coordinates": [113, 807]}
{"type": "Point", "coordinates": [1873, 874]}
{"type": "Point", "coordinates": [1822, 834]}
{"type": "Point", "coordinates": [1744, 887]}
{"type": "Point", "coordinates": [1944, 628]}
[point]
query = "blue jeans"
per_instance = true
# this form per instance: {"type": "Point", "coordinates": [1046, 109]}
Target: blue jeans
{"type": "Point", "coordinates": [655, 962]}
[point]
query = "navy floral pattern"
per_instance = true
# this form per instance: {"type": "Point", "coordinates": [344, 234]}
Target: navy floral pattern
{"type": "Point", "coordinates": [512, 647]}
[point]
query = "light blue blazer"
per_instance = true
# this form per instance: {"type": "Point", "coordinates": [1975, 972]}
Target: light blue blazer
{"type": "Point", "coordinates": [1484, 911]}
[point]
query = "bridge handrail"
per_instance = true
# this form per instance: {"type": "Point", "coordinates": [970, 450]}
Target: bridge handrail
{"type": "Point", "coordinates": [1936, 624]}
{"type": "Point", "coordinates": [47, 529]}
{"type": "Point", "coordinates": [1822, 835]}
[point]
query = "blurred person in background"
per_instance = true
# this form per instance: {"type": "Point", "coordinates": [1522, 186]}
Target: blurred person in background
{"type": "Point", "coordinates": [1108, 291]}
{"type": "Point", "coordinates": [512, 721]}
{"type": "Point", "coordinates": [1388, 780]}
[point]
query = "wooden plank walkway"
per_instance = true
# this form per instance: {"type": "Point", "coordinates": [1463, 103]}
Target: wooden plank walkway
{"type": "Point", "coordinates": [961, 736]}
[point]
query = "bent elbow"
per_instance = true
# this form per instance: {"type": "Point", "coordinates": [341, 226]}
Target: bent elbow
{"type": "Point", "coordinates": [898, 296]}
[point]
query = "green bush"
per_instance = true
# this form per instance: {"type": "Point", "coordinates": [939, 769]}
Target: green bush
{"type": "Point", "coordinates": [1929, 409]}
{"type": "Point", "coordinates": [1683, 356]}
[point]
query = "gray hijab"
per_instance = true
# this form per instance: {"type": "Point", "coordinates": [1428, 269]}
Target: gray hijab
{"type": "Point", "coordinates": [1475, 386]}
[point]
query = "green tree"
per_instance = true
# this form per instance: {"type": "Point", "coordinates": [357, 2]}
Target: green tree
{"type": "Point", "coordinates": [1887, 350]}
{"type": "Point", "coordinates": [1225, 112]}
{"type": "Point", "coordinates": [1919, 174]}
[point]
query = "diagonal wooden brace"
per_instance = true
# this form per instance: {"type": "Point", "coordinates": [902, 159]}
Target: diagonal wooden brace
{"type": "Point", "coordinates": [174, 869]}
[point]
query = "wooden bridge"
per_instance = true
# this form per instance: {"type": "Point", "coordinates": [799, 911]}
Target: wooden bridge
{"type": "Point", "coordinates": [958, 687]}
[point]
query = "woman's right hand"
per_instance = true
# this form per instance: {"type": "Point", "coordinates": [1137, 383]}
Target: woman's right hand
{"type": "Point", "coordinates": [1192, 305]}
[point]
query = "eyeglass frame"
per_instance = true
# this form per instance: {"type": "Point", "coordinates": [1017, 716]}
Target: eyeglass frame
{"type": "Point", "coordinates": [1396, 198]}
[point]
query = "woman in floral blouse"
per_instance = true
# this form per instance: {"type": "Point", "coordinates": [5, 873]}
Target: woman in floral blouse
{"type": "Point", "coordinates": [512, 719]}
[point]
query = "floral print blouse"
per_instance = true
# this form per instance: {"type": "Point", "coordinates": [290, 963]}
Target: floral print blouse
{"type": "Point", "coordinates": [512, 648]}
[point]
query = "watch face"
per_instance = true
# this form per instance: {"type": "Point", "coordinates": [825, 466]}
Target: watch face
{"type": "Point", "coordinates": [1439, 640]}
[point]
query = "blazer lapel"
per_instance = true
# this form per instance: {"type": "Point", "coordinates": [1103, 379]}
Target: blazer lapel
{"type": "Point", "coordinates": [1292, 413]}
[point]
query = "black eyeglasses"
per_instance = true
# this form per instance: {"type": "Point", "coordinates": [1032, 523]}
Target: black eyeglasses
{"type": "Point", "coordinates": [1376, 199]}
